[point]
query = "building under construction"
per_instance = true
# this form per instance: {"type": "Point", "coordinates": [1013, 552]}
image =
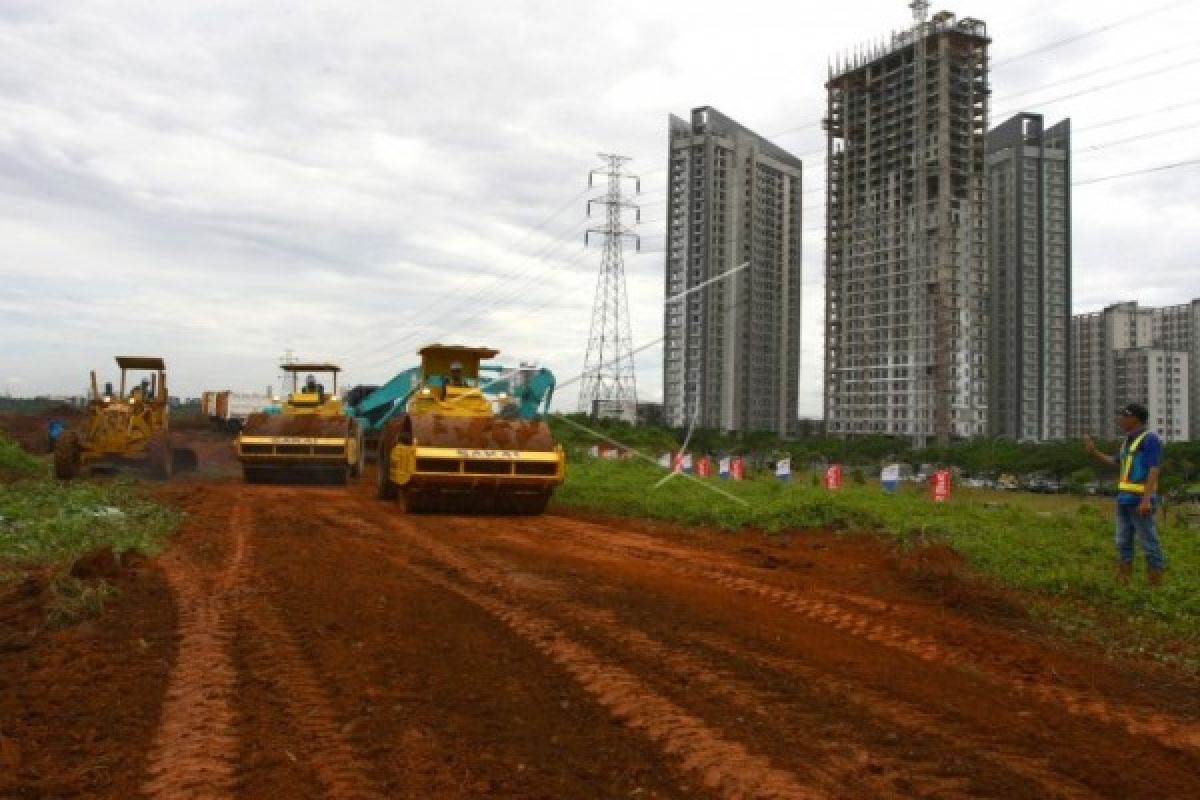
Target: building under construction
{"type": "Point", "coordinates": [906, 234]}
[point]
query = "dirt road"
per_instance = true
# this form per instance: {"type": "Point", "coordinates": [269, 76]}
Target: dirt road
{"type": "Point", "coordinates": [305, 642]}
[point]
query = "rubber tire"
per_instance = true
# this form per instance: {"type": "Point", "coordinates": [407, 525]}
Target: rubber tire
{"type": "Point", "coordinates": [356, 469]}
{"type": "Point", "coordinates": [530, 505]}
{"type": "Point", "coordinates": [385, 489]}
{"type": "Point", "coordinates": [185, 460]}
{"type": "Point", "coordinates": [159, 456]}
{"type": "Point", "coordinates": [419, 502]}
{"type": "Point", "coordinates": [66, 456]}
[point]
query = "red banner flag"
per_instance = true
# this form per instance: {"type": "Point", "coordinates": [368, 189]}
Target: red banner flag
{"type": "Point", "coordinates": [941, 481]}
{"type": "Point", "coordinates": [833, 477]}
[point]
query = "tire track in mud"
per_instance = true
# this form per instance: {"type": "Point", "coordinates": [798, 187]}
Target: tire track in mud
{"type": "Point", "coordinates": [274, 656]}
{"type": "Point", "coordinates": [195, 751]}
{"type": "Point", "coordinates": [197, 748]}
{"type": "Point", "coordinates": [722, 764]}
{"type": "Point", "coordinates": [844, 761]}
{"type": "Point", "coordinates": [901, 714]}
{"type": "Point", "coordinates": [1139, 721]}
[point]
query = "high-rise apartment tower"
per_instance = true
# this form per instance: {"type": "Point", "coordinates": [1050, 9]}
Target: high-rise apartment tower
{"type": "Point", "coordinates": [1178, 328]}
{"type": "Point", "coordinates": [1029, 172]}
{"type": "Point", "coordinates": [1128, 353]}
{"type": "Point", "coordinates": [731, 353]}
{"type": "Point", "coordinates": [906, 235]}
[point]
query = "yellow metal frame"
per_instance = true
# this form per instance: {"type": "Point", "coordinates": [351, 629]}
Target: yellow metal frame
{"type": "Point", "coordinates": [291, 449]}
{"type": "Point", "coordinates": [120, 426]}
{"type": "Point", "coordinates": [300, 451]}
{"type": "Point", "coordinates": [456, 466]}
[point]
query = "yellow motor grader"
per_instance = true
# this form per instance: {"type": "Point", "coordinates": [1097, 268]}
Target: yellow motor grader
{"type": "Point", "coordinates": [450, 452]}
{"type": "Point", "coordinates": [310, 439]}
{"type": "Point", "coordinates": [128, 427]}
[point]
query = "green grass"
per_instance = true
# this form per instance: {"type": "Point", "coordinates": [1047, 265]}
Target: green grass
{"type": "Point", "coordinates": [72, 600]}
{"type": "Point", "coordinates": [43, 521]}
{"type": "Point", "coordinates": [1059, 550]}
{"type": "Point", "coordinates": [15, 462]}
{"type": "Point", "coordinates": [48, 523]}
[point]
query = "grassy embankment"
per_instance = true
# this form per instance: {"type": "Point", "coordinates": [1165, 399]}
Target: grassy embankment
{"type": "Point", "coordinates": [1062, 559]}
{"type": "Point", "coordinates": [47, 524]}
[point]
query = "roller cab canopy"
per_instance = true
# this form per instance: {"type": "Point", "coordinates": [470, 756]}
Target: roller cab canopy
{"type": "Point", "coordinates": [437, 358]}
{"type": "Point", "coordinates": [141, 362]}
{"type": "Point", "coordinates": [310, 367]}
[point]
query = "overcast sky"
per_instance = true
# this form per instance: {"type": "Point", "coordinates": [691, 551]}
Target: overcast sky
{"type": "Point", "coordinates": [221, 182]}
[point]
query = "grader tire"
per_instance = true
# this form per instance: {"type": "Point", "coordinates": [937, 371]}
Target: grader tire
{"type": "Point", "coordinates": [185, 460]}
{"type": "Point", "coordinates": [159, 457]}
{"type": "Point", "coordinates": [66, 456]}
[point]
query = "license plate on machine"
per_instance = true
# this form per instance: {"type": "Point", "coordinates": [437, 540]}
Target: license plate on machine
{"type": "Point", "coordinates": [502, 454]}
{"type": "Point", "coordinates": [295, 440]}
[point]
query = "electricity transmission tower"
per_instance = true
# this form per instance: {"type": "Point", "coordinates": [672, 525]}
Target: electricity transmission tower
{"type": "Point", "coordinates": [607, 387]}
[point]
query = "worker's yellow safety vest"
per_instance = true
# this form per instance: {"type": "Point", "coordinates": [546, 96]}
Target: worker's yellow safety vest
{"type": "Point", "coordinates": [1127, 454]}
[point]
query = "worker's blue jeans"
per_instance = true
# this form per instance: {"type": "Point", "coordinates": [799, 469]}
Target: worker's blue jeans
{"type": "Point", "coordinates": [1131, 523]}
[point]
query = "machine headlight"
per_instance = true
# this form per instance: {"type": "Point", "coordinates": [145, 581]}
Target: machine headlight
{"type": "Point", "coordinates": [107, 399]}
{"type": "Point", "coordinates": [426, 391]}
{"type": "Point", "coordinates": [502, 396]}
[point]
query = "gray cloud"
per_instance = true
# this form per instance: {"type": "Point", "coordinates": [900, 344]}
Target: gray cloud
{"type": "Point", "coordinates": [218, 182]}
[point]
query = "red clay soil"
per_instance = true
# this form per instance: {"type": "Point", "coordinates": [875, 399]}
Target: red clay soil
{"type": "Point", "coordinates": [30, 430]}
{"type": "Point", "coordinates": [79, 706]}
{"type": "Point", "coordinates": [327, 645]}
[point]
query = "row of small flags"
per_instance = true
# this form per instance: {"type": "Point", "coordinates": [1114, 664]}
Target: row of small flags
{"type": "Point", "coordinates": [734, 468]}
{"type": "Point", "coordinates": [726, 467]}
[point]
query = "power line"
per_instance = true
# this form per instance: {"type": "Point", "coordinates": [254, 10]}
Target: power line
{"type": "Point", "coordinates": [1141, 136]}
{"type": "Point", "coordinates": [1110, 84]}
{"type": "Point", "coordinates": [1118, 120]}
{"type": "Point", "coordinates": [1027, 54]}
{"type": "Point", "coordinates": [1159, 53]}
{"type": "Point", "coordinates": [437, 305]}
{"type": "Point", "coordinates": [1054, 45]}
{"type": "Point", "coordinates": [1146, 171]}
{"type": "Point", "coordinates": [430, 312]}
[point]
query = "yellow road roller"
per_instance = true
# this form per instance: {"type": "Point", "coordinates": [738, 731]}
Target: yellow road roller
{"type": "Point", "coordinates": [450, 452]}
{"type": "Point", "coordinates": [309, 440]}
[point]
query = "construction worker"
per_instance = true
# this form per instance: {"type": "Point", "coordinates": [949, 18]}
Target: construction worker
{"type": "Point", "coordinates": [456, 374]}
{"type": "Point", "coordinates": [53, 431]}
{"type": "Point", "coordinates": [1139, 462]}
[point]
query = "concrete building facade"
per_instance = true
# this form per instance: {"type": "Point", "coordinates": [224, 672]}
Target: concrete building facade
{"type": "Point", "coordinates": [906, 317]}
{"type": "Point", "coordinates": [1178, 328]}
{"type": "Point", "coordinates": [1128, 353]}
{"type": "Point", "coordinates": [1157, 378]}
{"type": "Point", "coordinates": [1029, 175]}
{"type": "Point", "coordinates": [731, 352]}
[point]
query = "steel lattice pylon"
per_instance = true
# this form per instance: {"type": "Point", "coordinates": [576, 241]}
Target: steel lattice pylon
{"type": "Point", "coordinates": [607, 387]}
